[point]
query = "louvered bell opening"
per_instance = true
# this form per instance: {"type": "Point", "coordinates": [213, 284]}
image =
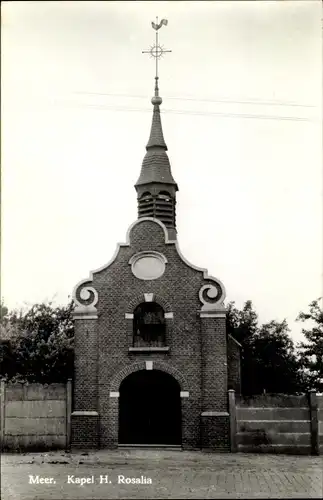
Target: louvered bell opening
{"type": "Point", "coordinates": [146, 206]}
{"type": "Point", "coordinates": [164, 209]}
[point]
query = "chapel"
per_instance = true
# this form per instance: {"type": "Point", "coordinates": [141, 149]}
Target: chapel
{"type": "Point", "coordinates": [153, 361]}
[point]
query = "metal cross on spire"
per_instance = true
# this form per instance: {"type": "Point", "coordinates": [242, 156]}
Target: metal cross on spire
{"type": "Point", "coordinates": [157, 50]}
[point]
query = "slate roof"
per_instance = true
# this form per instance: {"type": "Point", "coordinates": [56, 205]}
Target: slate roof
{"type": "Point", "coordinates": [156, 133]}
{"type": "Point", "coordinates": [156, 166]}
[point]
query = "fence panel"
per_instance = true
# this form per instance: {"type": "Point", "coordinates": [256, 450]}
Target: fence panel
{"type": "Point", "coordinates": [275, 423]}
{"type": "Point", "coordinates": [35, 416]}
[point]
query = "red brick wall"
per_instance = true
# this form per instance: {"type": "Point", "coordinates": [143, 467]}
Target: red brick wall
{"type": "Point", "coordinates": [86, 358]}
{"type": "Point", "coordinates": [109, 336]}
{"type": "Point", "coordinates": [214, 365]}
{"type": "Point", "coordinates": [85, 431]}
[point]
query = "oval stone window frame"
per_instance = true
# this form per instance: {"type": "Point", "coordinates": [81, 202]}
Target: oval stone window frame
{"type": "Point", "coordinates": [148, 265]}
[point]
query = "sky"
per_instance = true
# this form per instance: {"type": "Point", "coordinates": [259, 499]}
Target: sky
{"type": "Point", "coordinates": [242, 118]}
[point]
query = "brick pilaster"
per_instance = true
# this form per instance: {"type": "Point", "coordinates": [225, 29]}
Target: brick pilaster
{"type": "Point", "coordinates": [215, 425]}
{"type": "Point", "coordinates": [85, 417]}
{"type": "Point", "coordinates": [214, 363]}
{"type": "Point", "coordinates": [85, 364]}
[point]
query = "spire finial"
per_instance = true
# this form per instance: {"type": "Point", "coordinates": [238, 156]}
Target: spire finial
{"type": "Point", "coordinates": [157, 52]}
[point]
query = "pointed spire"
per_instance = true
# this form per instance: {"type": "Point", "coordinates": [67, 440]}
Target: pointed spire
{"type": "Point", "coordinates": [156, 166]}
{"type": "Point", "coordinates": [156, 138]}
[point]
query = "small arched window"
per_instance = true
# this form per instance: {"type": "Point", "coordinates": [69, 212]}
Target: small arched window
{"type": "Point", "coordinates": [149, 325]}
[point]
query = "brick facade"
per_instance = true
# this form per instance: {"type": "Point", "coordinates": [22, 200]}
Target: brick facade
{"type": "Point", "coordinates": [196, 343]}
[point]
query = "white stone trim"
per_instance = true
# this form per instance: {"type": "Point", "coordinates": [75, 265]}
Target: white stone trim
{"type": "Point", "coordinates": [129, 315]}
{"type": "Point", "coordinates": [272, 407]}
{"type": "Point", "coordinates": [140, 256]}
{"type": "Point", "coordinates": [85, 413]}
{"type": "Point", "coordinates": [148, 349]}
{"type": "Point", "coordinates": [169, 315]}
{"type": "Point", "coordinates": [85, 295]}
{"type": "Point", "coordinates": [114, 394]}
{"type": "Point", "coordinates": [149, 297]}
{"type": "Point", "coordinates": [214, 298]}
{"type": "Point", "coordinates": [148, 253]}
{"type": "Point", "coordinates": [149, 365]}
{"type": "Point", "coordinates": [215, 414]}
{"type": "Point", "coordinates": [156, 256]}
{"type": "Point", "coordinates": [274, 445]}
{"type": "Point", "coordinates": [217, 314]}
{"type": "Point", "coordinates": [184, 394]}
{"type": "Point", "coordinates": [77, 316]}
{"type": "Point", "coordinates": [272, 420]}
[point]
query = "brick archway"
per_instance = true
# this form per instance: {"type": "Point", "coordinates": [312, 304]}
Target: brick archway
{"type": "Point", "coordinates": [122, 374]}
{"type": "Point", "coordinates": [133, 303]}
{"type": "Point", "coordinates": [150, 409]}
{"type": "Point", "coordinates": [157, 365]}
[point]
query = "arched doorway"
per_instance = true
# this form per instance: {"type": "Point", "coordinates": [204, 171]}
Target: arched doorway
{"type": "Point", "coordinates": [150, 409]}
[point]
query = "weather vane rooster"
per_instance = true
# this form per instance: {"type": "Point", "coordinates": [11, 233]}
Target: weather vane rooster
{"type": "Point", "coordinates": [157, 51]}
{"type": "Point", "coordinates": [157, 26]}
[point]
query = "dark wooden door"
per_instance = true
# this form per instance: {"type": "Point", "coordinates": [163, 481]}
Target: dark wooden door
{"type": "Point", "coordinates": [150, 409]}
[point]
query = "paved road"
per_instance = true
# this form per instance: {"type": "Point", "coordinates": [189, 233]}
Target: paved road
{"type": "Point", "coordinates": [173, 474]}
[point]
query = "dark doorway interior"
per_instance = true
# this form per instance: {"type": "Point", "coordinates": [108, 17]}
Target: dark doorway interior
{"type": "Point", "coordinates": [150, 409]}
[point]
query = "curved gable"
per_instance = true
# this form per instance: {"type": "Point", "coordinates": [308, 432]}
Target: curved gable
{"type": "Point", "coordinates": [211, 294]}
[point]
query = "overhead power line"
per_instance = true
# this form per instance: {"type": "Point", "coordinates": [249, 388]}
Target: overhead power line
{"type": "Point", "coordinates": [197, 113]}
{"type": "Point", "coordinates": [253, 102]}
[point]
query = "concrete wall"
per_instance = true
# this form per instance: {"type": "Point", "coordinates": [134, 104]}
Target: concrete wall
{"type": "Point", "coordinates": [277, 423]}
{"type": "Point", "coordinates": [35, 416]}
